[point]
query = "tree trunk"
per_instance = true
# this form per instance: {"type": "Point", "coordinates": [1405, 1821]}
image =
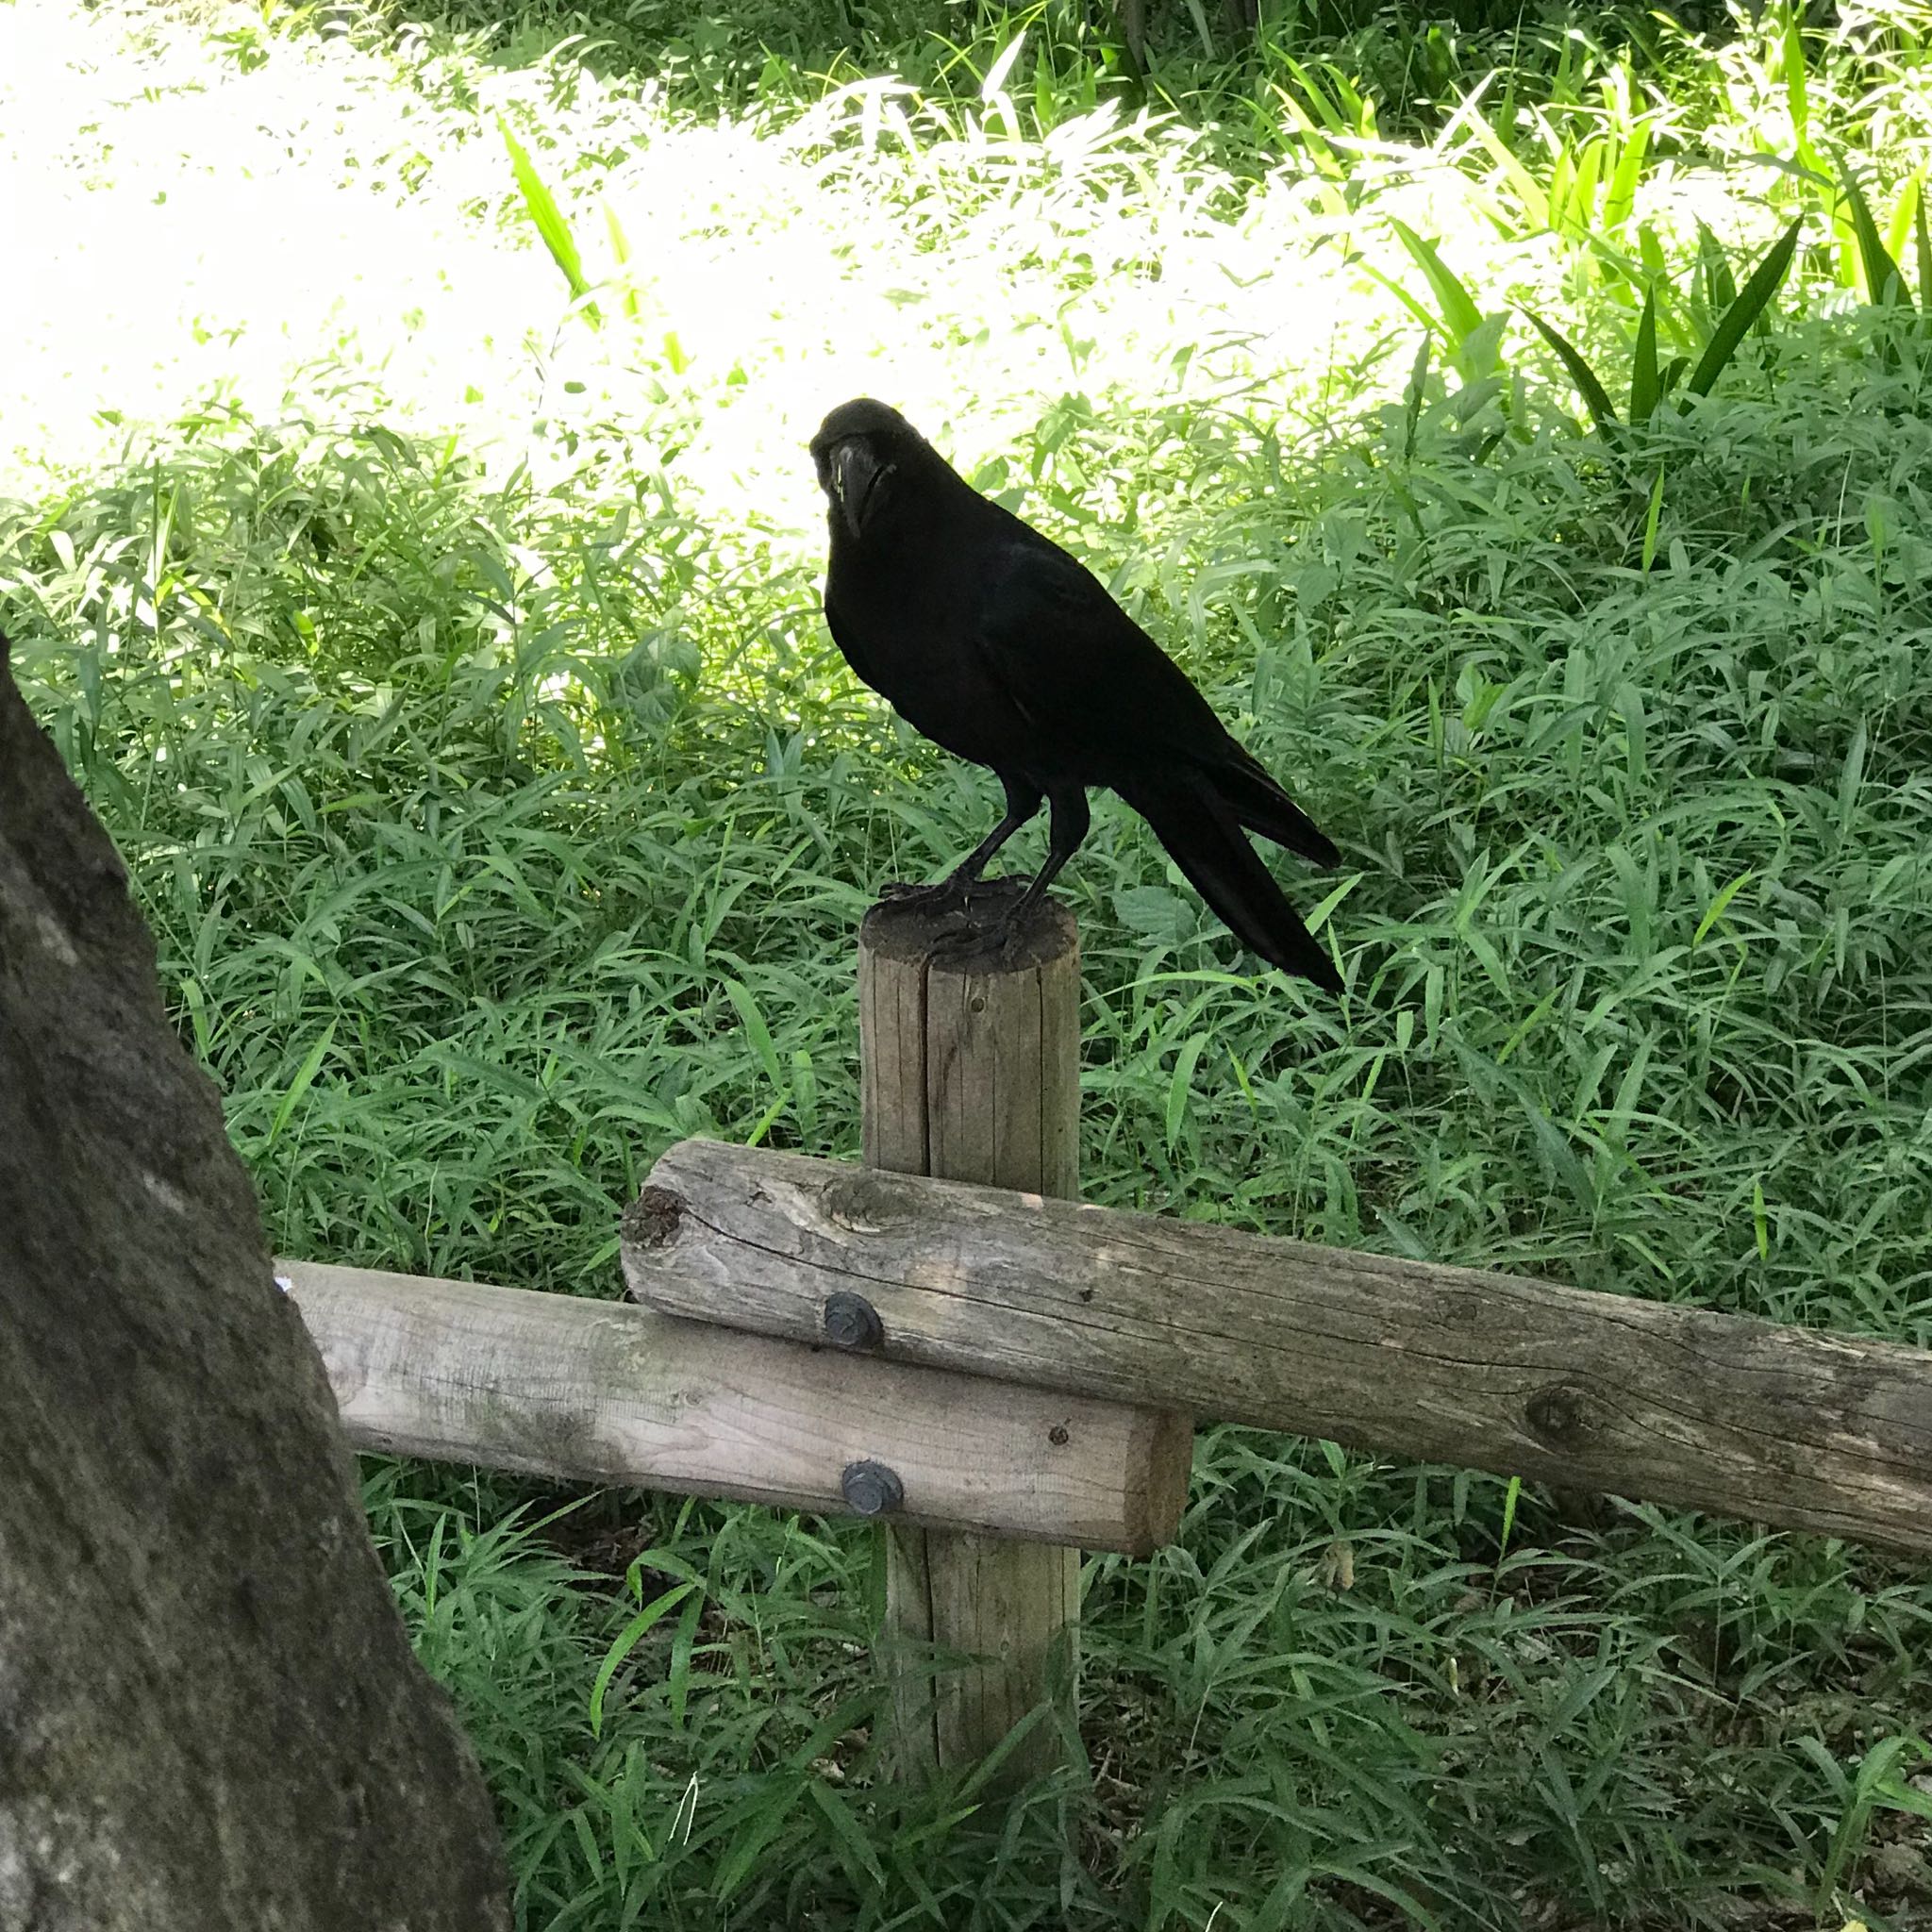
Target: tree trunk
{"type": "Point", "coordinates": [211, 1720]}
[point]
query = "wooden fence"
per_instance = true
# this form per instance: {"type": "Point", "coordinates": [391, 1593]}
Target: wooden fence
{"type": "Point", "coordinates": [945, 1339]}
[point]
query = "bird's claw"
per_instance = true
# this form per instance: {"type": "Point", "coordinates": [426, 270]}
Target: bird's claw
{"type": "Point", "coordinates": [1000, 939]}
{"type": "Point", "coordinates": [945, 896]}
{"type": "Point", "coordinates": [975, 917]}
{"type": "Point", "coordinates": [1004, 938]}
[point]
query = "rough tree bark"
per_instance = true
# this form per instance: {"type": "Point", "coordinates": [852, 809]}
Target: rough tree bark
{"type": "Point", "coordinates": [210, 1715]}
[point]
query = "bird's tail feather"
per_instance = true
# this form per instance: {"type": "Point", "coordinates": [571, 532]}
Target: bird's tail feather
{"type": "Point", "coordinates": [1263, 807]}
{"type": "Point", "coordinates": [1202, 837]}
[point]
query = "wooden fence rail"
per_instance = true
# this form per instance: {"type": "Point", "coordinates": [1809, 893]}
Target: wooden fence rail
{"type": "Point", "coordinates": [604, 1392]}
{"type": "Point", "coordinates": [1637, 1398]}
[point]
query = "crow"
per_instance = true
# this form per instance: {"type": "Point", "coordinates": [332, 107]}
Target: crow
{"type": "Point", "coordinates": [997, 644]}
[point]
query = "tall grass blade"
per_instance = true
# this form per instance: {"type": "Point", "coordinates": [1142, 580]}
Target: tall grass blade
{"type": "Point", "coordinates": [1885, 284]}
{"type": "Point", "coordinates": [1596, 399]}
{"type": "Point", "coordinates": [1898, 233]}
{"type": "Point", "coordinates": [1925, 259]}
{"type": "Point", "coordinates": [1535, 204]}
{"type": "Point", "coordinates": [1581, 210]}
{"type": "Point", "coordinates": [620, 253]}
{"type": "Point", "coordinates": [1720, 285]}
{"type": "Point", "coordinates": [1317, 96]}
{"type": "Point", "coordinates": [1797, 86]}
{"type": "Point", "coordinates": [1753, 299]}
{"type": "Point", "coordinates": [305, 1074]}
{"type": "Point", "coordinates": [1625, 179]}
{"type": "Point", "coordinates": [543, 209]}
{"type": "Point", "coordinates": [1459, 315]}
{"type": "Point", "coordinates": [1644, 386]}
{"type": "Point", "coordinates": [1001, 66]}
{"type": "Point", "coordinates": [1652, 514]}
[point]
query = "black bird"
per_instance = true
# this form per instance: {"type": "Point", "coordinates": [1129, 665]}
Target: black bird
{"type": "Point", "coordinates": [999, 646]}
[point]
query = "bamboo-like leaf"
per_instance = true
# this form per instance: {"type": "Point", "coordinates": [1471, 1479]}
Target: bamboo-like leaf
{"type": "Point", "coordinates": [1596, 399]}
{"type": "Point", "coordinates": [1644, 386]}
{"type": "Point", "coordinates": [543, 209]}
{"type": "Point", "coordinates": [305, 1073]}
{"type": "Point", "coordinates": [620, 253]}
{"type": "Point", "coordinates": [1884, 283]}
{"type": "Point", "coordinates": [755, 1031]}
{"type": "Point", "coordinates": [1898, 233]}
{"type": "Point", "coordinates": [1432, 323]}
{"type": "Point", "coordinates": [1583, 188]}
{"type": "Point", "coordinates": [1535, 204]}
{"type": "Point", "coordinates": [1459, 314]}
{"type": "Point", "coordinates": [1652, 512]}
{"type": "Point", "coordinates": [1716, 909]}
{"type": "Point", "coordinates": [1797, 87]}
{"type": "Point", "coordinates": [1001, 66]}
{"type": "Point", "coordinates": [1562, 183]}
{"type": "Point", "coordinates": [1925, 260]}
{"type": "Point", "coordinates": [627, 1640]}
{"type": "Point", "coordinates": [1317, 96]}
{"type": "Point", "coordinates": [1720, 285]}
{"type": "Point", "coordinates": [1650, 252]}
{"type": "Point", "coordinates": [1358, 110]}
{"type": "Point", "coordinates": [1753, 299]}
{"type": "Point", "coordinates": [1314, 136]}
{"type": "Point", "coordinates": [1180, 1087]}
{"type": "Point", "coordinates": [1413, 395]}
{"type": "Point", "coordinates": [1621, 198]}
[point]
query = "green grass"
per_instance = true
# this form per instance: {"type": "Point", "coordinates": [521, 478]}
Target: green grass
{"type": "Point", "coordinates": [454, 686]}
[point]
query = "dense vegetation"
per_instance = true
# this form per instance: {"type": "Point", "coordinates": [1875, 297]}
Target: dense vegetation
{"type": "Point", "coordinates": [451, 674]}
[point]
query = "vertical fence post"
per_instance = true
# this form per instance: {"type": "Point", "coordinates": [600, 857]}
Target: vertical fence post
{"type": "Point", "coordinates": [971, 1072]}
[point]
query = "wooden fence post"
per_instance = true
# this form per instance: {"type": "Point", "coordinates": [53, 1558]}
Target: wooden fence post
{"type": "Point", "coordinates": [971, 1072]}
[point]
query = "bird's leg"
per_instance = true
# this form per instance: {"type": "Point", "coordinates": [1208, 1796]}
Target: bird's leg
{"type": "Point", "coordinates": [1023, 801]}
{"type": "Point", "coordinates": [1071, 820]}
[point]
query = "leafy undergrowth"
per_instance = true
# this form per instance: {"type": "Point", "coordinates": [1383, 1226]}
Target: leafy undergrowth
{"type": "Point", "coordinates": [484, 769]}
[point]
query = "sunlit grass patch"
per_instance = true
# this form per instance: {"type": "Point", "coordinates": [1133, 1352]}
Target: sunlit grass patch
{"type": "Point", "coordinates": [242, 207]}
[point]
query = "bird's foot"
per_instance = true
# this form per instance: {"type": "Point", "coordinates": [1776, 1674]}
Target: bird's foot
{"type": "Point", "coordinates": [999, 937]}
{"type": "Point", "coordinates": [1004, 938]}
{"type": "Point", "coordinates": [966, 916]}
{"type": "Point", "coordinates": [946, 896]}
{"type": "Point", "coordinates": [965, 894]}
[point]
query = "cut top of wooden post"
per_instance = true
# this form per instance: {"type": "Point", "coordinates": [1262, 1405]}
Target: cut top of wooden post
{"type": "Point", "coordinates": [972, 1057]}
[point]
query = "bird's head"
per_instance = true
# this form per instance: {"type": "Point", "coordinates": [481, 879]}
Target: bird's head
{"type": "Point", "coordinates": [861, 452]}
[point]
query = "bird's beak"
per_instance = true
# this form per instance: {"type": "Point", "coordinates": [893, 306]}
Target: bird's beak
{"type": "Point", "coordinates": [854, 474]}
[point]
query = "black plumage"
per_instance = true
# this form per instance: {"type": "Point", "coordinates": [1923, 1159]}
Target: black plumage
{"type": "Point", "coordinates": [997, 644]}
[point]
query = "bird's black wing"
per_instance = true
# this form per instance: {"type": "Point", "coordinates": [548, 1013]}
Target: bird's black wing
{"type": "Point", "coordinates": [1083, 673]}
{"type": "Point", "coordinates": [1076, 664]}
{"type": "Point", "coordinates": [1110, 707]}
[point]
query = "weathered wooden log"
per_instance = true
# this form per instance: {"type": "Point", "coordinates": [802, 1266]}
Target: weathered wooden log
{"type": "Point", "coordinates": [970, 1067]}
{"type": "Point", "coordinates": [1678, 1404]}
{"type": "Point", "coordinates": [607, 1392]}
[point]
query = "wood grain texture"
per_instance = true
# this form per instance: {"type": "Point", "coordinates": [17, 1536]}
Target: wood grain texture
{"type": "Point", "coordinates": [1608, 1392]}
{"type": "Point", "coordinates": [1013, 1606]}
{"type": "Point", "coordinates": [971, 1070]}
{"type": "Point", "coordinates": [607, 1392]}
